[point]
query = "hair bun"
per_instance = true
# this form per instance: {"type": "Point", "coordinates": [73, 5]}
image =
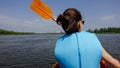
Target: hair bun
{"type": "Point", "coordinates": [60, 19]}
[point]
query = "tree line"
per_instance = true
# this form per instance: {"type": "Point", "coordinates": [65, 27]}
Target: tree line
{"type": "Point", "coordinates": [6, 32]}
{"type": "Point", "coordinates": [106, 30]}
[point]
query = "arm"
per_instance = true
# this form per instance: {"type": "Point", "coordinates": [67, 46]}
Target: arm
{"type": "Point", "coordinates": [110, 59]}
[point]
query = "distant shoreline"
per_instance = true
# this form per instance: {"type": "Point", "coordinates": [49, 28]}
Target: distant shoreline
{"type": "Point", "coordinates": [7, 32]}
{"type": "Point", "coordinates": [109, 30]}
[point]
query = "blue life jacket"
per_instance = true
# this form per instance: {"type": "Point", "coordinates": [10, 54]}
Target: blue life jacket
{"type": "Point", "coordinates": [78, 50]}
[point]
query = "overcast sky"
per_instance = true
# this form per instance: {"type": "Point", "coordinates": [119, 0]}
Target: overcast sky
{"type": "Point", "coordinates": [17, 16]}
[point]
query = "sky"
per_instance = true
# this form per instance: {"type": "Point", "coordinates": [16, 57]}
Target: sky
{"type": "Point", "coordinates": [16, 15]}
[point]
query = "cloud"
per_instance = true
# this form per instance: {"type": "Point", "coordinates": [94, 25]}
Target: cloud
{"type": "Point", "coordinates": [36, 25]}
{"type": "Point", "coordinates": [108, 18]}
{"type": "Point", "coordinates": [5, 19]}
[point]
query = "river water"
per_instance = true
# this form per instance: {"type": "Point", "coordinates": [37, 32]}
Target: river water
{"type": "Point", "coordinates": [37, 51]}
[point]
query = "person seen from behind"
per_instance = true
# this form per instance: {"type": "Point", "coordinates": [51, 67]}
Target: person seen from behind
{"type": "Point", "coordinates": [78, 48]}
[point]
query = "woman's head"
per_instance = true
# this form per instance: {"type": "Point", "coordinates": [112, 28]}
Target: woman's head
{"type": "Point", "coordinates": [70, 20]}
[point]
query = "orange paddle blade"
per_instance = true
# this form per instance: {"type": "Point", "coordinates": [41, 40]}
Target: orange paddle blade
{"type": "Point", "coordinates": [41, 9]}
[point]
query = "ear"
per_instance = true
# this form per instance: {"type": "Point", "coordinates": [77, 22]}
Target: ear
{"type": "Point", "coordinates": [80, 25]}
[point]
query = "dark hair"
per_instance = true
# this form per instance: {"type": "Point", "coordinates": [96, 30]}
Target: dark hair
{"type": "Point", "coordinates": [69, 20]}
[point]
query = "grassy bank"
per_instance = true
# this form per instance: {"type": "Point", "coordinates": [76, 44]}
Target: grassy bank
{"type": "Point", "coordinates": [6, 32]}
